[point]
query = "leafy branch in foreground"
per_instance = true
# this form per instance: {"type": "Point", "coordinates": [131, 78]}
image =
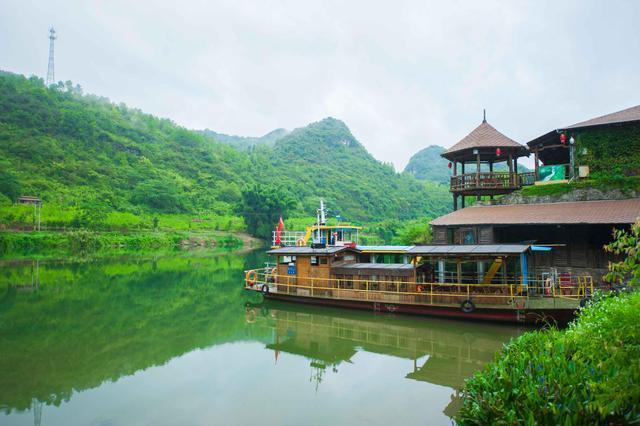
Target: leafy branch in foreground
{"type": "Point", "coordinates": [627, 244]}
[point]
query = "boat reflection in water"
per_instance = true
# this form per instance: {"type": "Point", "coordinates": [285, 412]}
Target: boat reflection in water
{"type": "Point", "coordinates": [443, 352]}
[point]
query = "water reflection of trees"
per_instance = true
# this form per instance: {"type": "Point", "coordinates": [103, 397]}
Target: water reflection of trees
{"type": "Point", "coordinates": [93, 322]}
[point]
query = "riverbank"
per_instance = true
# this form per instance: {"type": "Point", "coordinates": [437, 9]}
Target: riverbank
{"type": "Point", "coordinates": [20, 243]}
{"type": "Point", "coordinates": [588, 373]}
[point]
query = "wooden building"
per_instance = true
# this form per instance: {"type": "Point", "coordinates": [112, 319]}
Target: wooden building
{"type": "Point", "coordinates": [485, 146]}
{"type": "Point", "coordinates": [570, 146]}
{"type": "Point", "coordinates": [575, 231]}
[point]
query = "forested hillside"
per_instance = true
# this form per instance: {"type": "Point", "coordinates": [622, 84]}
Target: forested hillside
{"type": "Point", "coordinates": [83, 151]}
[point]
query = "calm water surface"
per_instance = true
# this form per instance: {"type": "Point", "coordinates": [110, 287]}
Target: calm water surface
{"type": "Point", "coordinates": [174, 340]}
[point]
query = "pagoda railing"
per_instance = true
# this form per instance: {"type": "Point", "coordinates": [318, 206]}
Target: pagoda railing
{"type": "Point", "coordinates": [491, 181]}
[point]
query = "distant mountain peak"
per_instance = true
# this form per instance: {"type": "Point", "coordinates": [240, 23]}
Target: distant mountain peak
{"type": "Point", "coordinates": [245, 142]}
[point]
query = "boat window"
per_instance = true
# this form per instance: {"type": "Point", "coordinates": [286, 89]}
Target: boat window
{"type": "Point", "coordinates": [314, 260]}
{"type": "Point", "coordinates": [349, 257]}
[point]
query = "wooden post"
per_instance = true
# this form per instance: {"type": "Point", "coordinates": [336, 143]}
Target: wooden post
{"type": "Point", "coordinates": [491, 171]}
{"type": "Point", "coordinates": [478, 174]}
{"type": "Point", "coordinates": [511, 170]}
{"type": "Point", "coordinates": [455, 202]}
{"type": "Point", "coordinates": [535, 164]}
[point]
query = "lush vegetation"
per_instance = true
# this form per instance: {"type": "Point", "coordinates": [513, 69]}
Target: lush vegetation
{"type": "Point", "coordinates": [601, 148]}
{"type": "Point", "coordinates": [98, 165]}
{"type": "Point", "coordinates": [429, 165]}
{"type": "Point", "coordinates": [586, 374]}
{"type": "Point", "coordinates": [604, 183]}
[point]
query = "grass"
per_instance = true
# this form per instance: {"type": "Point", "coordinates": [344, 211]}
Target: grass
{"type": "Point", "coordinates": [586, 374]}
{"type": "Point", "coordinates": [71, 217]}
{"type": "Point", "coordinates": [625, 184]}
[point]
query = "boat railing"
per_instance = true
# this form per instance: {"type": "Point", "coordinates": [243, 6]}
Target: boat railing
{"type": "Point", "coordinates": [289, 238]}
{"type": "Point", "coordinates": [515, 293]}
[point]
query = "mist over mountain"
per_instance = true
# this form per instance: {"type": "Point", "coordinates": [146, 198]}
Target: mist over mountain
{"type": "Point", "coordinates": [245, 142]}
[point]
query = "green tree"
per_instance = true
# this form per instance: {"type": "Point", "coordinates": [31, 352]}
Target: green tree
{"type": "Point", "coordinates": [627, 245]}
{"type": "Point", "coordinates": [262, 206]}
{"type": "Point", "coordinates": [10, 186]}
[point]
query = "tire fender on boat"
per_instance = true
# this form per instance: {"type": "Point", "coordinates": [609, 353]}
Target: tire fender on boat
{"type": "Point", "coordinates": [467, 306]}
{"type": "Point", "coordinates": [265, 289]}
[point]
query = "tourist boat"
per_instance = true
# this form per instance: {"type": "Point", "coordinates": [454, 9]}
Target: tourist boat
{"type": "Point", "coordinates": [496, 282]}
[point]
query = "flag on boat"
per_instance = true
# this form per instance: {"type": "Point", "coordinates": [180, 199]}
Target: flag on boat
{"type": "Point", "coordinates": [279, 231]}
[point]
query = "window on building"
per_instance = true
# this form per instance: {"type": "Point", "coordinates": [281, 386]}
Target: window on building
{"type": "Point", "coordinates": [451, 235]}
{"type": "Point", "coordinates": [324, 260]}
{"type": "Point", "coordinates": [468, 235]}
{"type": "Point", "coordinates": [314, 260]}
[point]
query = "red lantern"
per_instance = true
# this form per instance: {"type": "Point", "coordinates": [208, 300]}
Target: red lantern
{"type": "Point", "coordinates": [498, 152]}
{"type": "Point", "coordinates": [563, 138]}
{"type": "Point", "coordinates": [450, 165]}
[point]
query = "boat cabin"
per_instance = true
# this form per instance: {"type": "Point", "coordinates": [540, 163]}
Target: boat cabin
{"type": "Point", "coordinates": [359, 267]}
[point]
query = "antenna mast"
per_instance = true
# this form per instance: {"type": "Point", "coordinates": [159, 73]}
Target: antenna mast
{"type": "Point", "coordinates": [50, 73]}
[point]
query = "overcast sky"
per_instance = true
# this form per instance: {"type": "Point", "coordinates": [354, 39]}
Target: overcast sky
{"type": "Point", "coordinates": [401, 74]}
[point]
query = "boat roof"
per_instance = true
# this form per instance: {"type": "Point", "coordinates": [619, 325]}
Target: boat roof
{"type": "Point", "coordinates": [383, 249]}
{"type": "Point", "coordinates": [394, 269]}
{"type": "Point", "coordinates": [470, 249]}
{"type": "Point", "coordinates": [295, 250]}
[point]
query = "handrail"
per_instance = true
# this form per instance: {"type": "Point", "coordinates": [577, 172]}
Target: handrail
{"type": "Point", "coordinates": [491, 180]}
{"type": "Point", "coordinates": [373, 290]}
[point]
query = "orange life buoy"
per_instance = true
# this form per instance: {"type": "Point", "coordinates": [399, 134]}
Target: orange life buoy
{"type": "Point", "coordinates": [251, 278]}
{"type": "Point", "coordinates": [300, 242]}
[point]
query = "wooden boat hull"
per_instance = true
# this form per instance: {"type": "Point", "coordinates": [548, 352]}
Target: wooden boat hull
{"type": "Point", "coordinates": [507, 315]}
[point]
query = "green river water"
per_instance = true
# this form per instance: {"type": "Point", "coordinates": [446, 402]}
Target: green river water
{"type": "Point", "coordinates": [173, 339]}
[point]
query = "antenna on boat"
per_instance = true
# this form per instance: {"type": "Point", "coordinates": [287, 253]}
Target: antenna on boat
{"type": "Point", "coordinates": [321, 219]}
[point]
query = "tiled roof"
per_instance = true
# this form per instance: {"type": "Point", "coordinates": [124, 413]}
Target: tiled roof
{"type": "Point", "coordinates": [629, 114]}
{"type": "Point", "coordinates": [579, 212]}
{"type": "Point", "coordinates": [470, 249]}
{"type": "Point", "coordinates": [484, 136]}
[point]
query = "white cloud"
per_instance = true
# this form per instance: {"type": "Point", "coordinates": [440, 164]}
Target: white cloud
{"type": "Point", "coordinates": [402, 75]}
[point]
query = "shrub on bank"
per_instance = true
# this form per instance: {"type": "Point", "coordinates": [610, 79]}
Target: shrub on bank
{"type": "Point", "coordinates": [586, 374]}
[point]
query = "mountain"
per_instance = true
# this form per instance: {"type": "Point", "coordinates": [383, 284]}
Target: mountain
{"type": "Point", "coordinates": [324, 160]}
{"type": "Point", "coordinates": [75, 150]}
{"type": "Point", "coordinates": [245, 142]}
{"type": "Point", "coordinates": [427, 164]}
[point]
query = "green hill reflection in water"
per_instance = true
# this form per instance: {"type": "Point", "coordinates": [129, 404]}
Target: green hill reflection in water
{"type": "Point", "coordinates": [90, 322]}
{"type": "Point", "coordinates": [82, 338]}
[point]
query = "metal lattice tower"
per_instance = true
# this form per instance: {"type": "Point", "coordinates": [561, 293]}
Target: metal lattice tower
{"type": "Point", "coordinates": [50, 73]}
